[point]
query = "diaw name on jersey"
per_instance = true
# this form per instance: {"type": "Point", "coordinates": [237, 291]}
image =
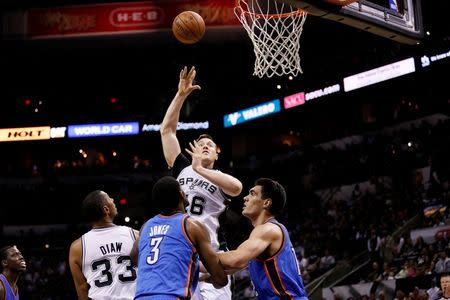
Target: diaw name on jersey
{"type": "Point", "coordinates": [111, 247]}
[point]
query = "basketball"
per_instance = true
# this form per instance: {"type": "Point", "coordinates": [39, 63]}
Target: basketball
{"type": "Point", "coordinates": [188, 27]}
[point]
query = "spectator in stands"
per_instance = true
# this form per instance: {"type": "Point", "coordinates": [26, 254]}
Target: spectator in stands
{"type": "Point", "coordinates": [433, 291]}
{"type": "Point", "coordinates": [373, 245]}
{"type": "Point", "coordinates": [387, 273]}
{"type": "Point", "coordinates": [375, 275]}
{"type": "Point", "coordinates": [327, 261]}
{"type": "Point", "coordinates": [356, 193]}
{"type": "Point", "coordinates": [439, 262]}
{"type": "Point", "coordinates": [387, 248]}
{"type": "Point", "coordinates": [399, 241]}
{"type": "Point", "coordinates": [419, 245]}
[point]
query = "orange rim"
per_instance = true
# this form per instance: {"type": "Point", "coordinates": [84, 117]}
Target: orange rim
{"type": "Point", "coordinates": [266, 16]}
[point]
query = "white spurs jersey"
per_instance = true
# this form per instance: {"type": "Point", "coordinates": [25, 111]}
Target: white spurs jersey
{"type": "Point", "coordinates": [206, 200]}
{"type": "Point", "coordinates": [107, 264]}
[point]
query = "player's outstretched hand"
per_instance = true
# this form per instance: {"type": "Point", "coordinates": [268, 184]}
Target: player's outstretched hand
{"type": "Point", "coordinates": [185, 86]}
{"type": "Point", "coordinates": [196, 153]}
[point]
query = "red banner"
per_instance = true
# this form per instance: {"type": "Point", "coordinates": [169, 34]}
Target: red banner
{"type": "Point", "coordinates": [124, 18]}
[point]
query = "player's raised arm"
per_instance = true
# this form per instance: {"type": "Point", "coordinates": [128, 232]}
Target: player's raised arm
{"type": "Point", "coordinates": [171, 146]}
{"type": "Point", "coordinates": [200, 236]}
{"type": "Point", "coordinates": [75, 256]}
{"type": "Point", "coordinates": [260, 239]}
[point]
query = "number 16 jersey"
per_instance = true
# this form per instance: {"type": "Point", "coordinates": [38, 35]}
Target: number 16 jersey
{"type": "Point", "coordinates": [107, 264]}
{"type": "Point", "coordinates": [206, 200]}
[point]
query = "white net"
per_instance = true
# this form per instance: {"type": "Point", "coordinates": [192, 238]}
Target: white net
{"type": "Point", "coordinates": [275, 29]}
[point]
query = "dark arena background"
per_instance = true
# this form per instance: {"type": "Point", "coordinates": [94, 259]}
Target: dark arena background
{"type": "Point", "coordinates": [360, 140]}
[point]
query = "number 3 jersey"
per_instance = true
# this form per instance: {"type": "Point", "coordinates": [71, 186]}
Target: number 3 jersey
{"type": "Point", "coordinates": [206, 200]}
{"type": "Point", "coordinates": [106, 263]}
{"type": "Point", "coordinates": [168, 261]}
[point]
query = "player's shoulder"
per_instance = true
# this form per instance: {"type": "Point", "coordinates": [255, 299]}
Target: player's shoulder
{"type": "Point", "coordinates": [267, 230]}
{"type": "Point", "coordinates": [194, 223]}
{"type": "Point", "coordinates": [195, 227]}
{"type": "Point", "coordinates": [76, 245]}
{"type": "Point", "coordinates": [127, 229]}
{"type": "Point", "coordinates": [136, 233]}
{"type": "Point", "coordinates": [2, 290]}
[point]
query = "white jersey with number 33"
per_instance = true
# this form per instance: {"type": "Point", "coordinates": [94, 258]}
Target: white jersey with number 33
{"type": "Point", "coordinates": [107, 264]}
{"type": "Point", "coordinates": [206, 201]}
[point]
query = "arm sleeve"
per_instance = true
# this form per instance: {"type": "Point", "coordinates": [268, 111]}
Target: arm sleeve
{"type": "Point", "coordinates": [180, 163]}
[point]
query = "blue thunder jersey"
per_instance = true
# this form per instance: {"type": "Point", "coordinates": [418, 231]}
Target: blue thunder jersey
{"type": "Point", "coordinates": [168, 261]}
{"type": "Point", "coordinates": [9, 293]}
{"type": "Point", "coordinates": [278, 277]}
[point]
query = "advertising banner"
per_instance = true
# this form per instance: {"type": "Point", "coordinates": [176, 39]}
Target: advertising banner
{"type": "Point", "coordinates": [252, 113]}
{"type": "Point", "coordinates": [107, 129]}
{"type": "Point", "coordinates": [24, 134]}
{"type": "Point", "coordinates": [124, 18]}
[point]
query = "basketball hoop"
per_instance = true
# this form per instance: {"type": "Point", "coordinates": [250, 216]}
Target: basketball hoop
{"type": "Point", "coordinates": [275, 29]}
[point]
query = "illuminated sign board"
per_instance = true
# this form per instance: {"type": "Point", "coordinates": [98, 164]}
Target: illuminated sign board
{"type": "Point", "coordinates": [58, 132]}
{"type": "Point", "coordinates": [301, 98]}
{"type": "Point", "coordinates": [252, 113]}
{"type": "Point", "coordinates": [180, 126]}
{"type": "Point", "coordinates": [380, 74]}
{"type": "Point", "coordinates": [294, 100]}
{"type": "Point", "coordinates": [322, 92]}
{"type": "Point", "coordinates": [107, 129]}
{"type": "Point", "coordinates": [24, 134]}
{"type": "Point", "coordinates": [427, 60]}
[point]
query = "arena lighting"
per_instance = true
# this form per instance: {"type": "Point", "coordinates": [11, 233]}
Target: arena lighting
{"type": "Point", "coordinates": [27, 101]}
{"type": "Point", "coordinates": [113, 100]}
{"type": "Point", "coordinates": [252, 113]}
{"type": "Point", "coordinates": [127, 219]}
{"type": "Point", "coordinates": [379, 74]}
{"type": "Point", "coordinates": [123, 201]}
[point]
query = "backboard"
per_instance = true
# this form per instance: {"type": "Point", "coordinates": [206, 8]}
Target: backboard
{"type": "Point", "coordinates": [399, 20]}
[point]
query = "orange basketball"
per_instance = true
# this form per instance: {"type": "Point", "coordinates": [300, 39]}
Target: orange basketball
{"type": "Point", "coordinates": [188, 27]}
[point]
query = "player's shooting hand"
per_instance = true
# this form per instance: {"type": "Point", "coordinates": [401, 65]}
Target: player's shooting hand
{"type": "Point", "coordinates": [196, 154]}
{"type": "Point", "coordinates": [185, 86]}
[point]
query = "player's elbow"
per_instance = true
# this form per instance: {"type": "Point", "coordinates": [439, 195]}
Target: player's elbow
{"type": "Point", "coordinates": [236, 189]}
{"type": "Point", "coordinates": [220, 280]}
{"type": "Point", "coordinates": [164, 130]}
